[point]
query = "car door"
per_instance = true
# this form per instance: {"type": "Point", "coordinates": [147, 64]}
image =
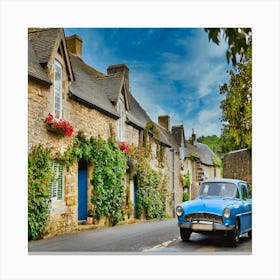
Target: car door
{"type": "Point", "coordinates": [246, 215]}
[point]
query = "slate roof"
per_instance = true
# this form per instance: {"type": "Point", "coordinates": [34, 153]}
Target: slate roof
{"type": "Point", "coordinates": [112, 85]}
{"type": "Point", "coordinates": [43, 42]}
{"type": "Point", "coordinates": [204, 153]}
{"type": "Point", "coordinates": [136, 114]}
{"type": "Point", "coordinates": [87, 88]}
{"type": "Point", "coordinates": [35, 70]}
{"type": "Point", "coordinates": [166, 137]}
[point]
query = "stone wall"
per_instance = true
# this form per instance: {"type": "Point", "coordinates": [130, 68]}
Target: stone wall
{"type": "Point", "coordinates": [175, 183]}
{"type": "Point", "coordinates": [238, 165]}
{"type": "Point", "coordinates": [131, 135]}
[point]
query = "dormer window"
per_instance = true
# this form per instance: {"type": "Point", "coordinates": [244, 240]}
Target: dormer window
{"type": "Point", "coordinates": [57, 90]}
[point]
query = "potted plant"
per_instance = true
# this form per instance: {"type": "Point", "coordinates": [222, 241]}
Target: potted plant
{"type": "Point", "coordinates": [90, 217]}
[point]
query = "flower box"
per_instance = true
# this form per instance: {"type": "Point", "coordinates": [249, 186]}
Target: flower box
{"type": "Point", "coordinates": [52, 128]}
{"type": "Point", "coordinates": [58, 126]}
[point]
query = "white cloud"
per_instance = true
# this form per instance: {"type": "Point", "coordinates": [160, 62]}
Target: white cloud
{"type": "Point", "coordinates": [206, 116]}
{"type": "Point", "coordinates": [211, 80]}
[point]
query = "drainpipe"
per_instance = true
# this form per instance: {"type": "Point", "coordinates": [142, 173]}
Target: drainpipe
{"type": "Point", "coordinates": [173, 182]}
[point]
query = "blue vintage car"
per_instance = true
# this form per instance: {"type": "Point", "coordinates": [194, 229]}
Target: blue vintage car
{"type": "Point", "coordinates": [221, 205]}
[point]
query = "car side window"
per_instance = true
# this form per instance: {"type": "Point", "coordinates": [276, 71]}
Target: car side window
{"type": "Point", "coordinates": [244, 192]}
{"type": "Point", "coordinates": [249, 191]}
{"type": "Point", "coordinates": [237, 194]}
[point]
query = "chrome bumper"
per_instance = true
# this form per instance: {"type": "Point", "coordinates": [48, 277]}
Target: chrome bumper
{"type": "Point", "coordinates": [205, 226]}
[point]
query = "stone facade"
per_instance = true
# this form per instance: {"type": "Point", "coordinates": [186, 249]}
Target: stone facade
{"type": "Point", "coordinates": [238, 165]}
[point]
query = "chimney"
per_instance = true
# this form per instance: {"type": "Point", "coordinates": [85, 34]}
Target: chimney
{"type": "Point", "coordinates": [120, 68]}
{"type": "Point", "coordinates": [164, 121]}
{"type": "Point", "coordinates": [74, 44]}
{"type": "Point", "coordinates": [193, 137]}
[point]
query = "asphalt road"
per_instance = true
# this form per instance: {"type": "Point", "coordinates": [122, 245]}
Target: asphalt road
{"type": "Point", "coordinates": [152, 237]}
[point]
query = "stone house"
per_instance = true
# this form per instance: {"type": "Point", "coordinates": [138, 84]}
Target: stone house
{"type": "Point", "coordinates": [61, 83]}
{"type": "Point", "coordinates": [197, 159]}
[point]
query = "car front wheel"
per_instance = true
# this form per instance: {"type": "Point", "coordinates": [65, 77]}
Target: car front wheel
{"type": "Point", "coordinates": [234, 236]}
{"type": "Point", "coordinates": [185, 234]}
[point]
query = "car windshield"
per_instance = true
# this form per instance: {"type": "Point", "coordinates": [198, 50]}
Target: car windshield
{"type": "Point", "coordinates": [221, 189]}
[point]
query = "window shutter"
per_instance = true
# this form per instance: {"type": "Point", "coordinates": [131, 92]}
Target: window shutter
{"type": "Point", "coordinates": [56, 186]}
{"type": "Point", "coordinates": [54, 189]}
{"type": "Point", "coordinates": [60, 183]}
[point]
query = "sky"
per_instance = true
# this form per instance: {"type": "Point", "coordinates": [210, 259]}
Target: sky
{"type": "Point", "coordinates": [173, 71]}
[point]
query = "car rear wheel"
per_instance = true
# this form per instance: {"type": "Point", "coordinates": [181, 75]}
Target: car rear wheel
{"type": "Point", "coordinates": [234, 236]}
{"type": "Point", "coordinates": [185, 234]}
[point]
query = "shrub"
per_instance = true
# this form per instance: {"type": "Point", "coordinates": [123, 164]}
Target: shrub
{"type": "Point", "coordinates": [39, 177]}
{"type": "Point", "coordinates": [186, 196]}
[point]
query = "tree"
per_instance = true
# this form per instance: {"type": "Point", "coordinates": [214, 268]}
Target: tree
{"type": "Point", "coordinates": [237, 106]}
{"type": "Point", "coordinates": [237, 39]}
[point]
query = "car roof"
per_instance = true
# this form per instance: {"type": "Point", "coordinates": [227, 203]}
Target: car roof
{"type": "Point", "coordinates": [225, 180]}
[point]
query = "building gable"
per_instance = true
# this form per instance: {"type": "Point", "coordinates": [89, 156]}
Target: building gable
{"type": "Point", "coordinates": [47, 43]}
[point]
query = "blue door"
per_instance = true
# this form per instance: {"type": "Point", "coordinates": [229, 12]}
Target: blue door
{"type": "Point", "coordinates": [82, 194]}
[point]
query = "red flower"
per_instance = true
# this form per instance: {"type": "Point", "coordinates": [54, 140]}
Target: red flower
{"type": "Point", "coordinates": [124, 146]}
{"type": "Point", "coordinates": [60, 124]}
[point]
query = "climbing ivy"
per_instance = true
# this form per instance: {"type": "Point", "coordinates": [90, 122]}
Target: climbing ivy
{"type": "Point", "coordinates": [193, 156]}
{"type": "Point", "coordinates": [108, 194]}
{"type": "Point", "coordinates": [108, 187]}
{"type": "Point", "coordinates": [150, 127]}
{"type": "Point", "coordinates": [152, 193]}
{"type": "Point", "coordinates": [187, 179]}
{"type": "Point", "coordinates": [39, 177]}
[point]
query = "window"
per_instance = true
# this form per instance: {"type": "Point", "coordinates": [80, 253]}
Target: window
{"type": "Point", "coordinates": [244, 192]}
{"type": "Point", "coordinates": [57, 90]}
{"type": "Point", "coordinates": [182, 153]}
{"type": "Point", "coordinates": [120, 107]}
{"type": "Point", "coordinates": [56, 186]}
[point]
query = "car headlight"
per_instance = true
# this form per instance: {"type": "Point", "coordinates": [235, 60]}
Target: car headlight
{"type": "Point", "coordinates": [179, 211]}
{"type": "Point", "coordinates": [227, 213]}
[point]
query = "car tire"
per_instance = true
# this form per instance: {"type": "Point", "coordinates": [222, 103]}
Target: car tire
{"type": "Point", "coordinates": [234, 235]}
{"type": "Point", "coordinates": [185, 234]}
{"type": "Point", "coordinates": [250, 234]}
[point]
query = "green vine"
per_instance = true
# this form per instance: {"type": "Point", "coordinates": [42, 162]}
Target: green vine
{"type": "Point", "coordinates": [152, 191]}
{"type": "Point", "coordinates": [108, 188]}
{"type": "Point", "coordinates": [150, 127]}
{"type": "Point", "coordinates": [193, 156]}
{"type": "Point", "coordinates": [217, 161]}
{"type": "Point", "coordinates": [160, 155]}
{"type": "Point", "coordinates": [39, 177]}
{"type": "Point", "coordinates": [108, 194]}
{"type": "Point", "coordinates": [186, 196]}
{"type": "Point", "coordinates": [186, 179]}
